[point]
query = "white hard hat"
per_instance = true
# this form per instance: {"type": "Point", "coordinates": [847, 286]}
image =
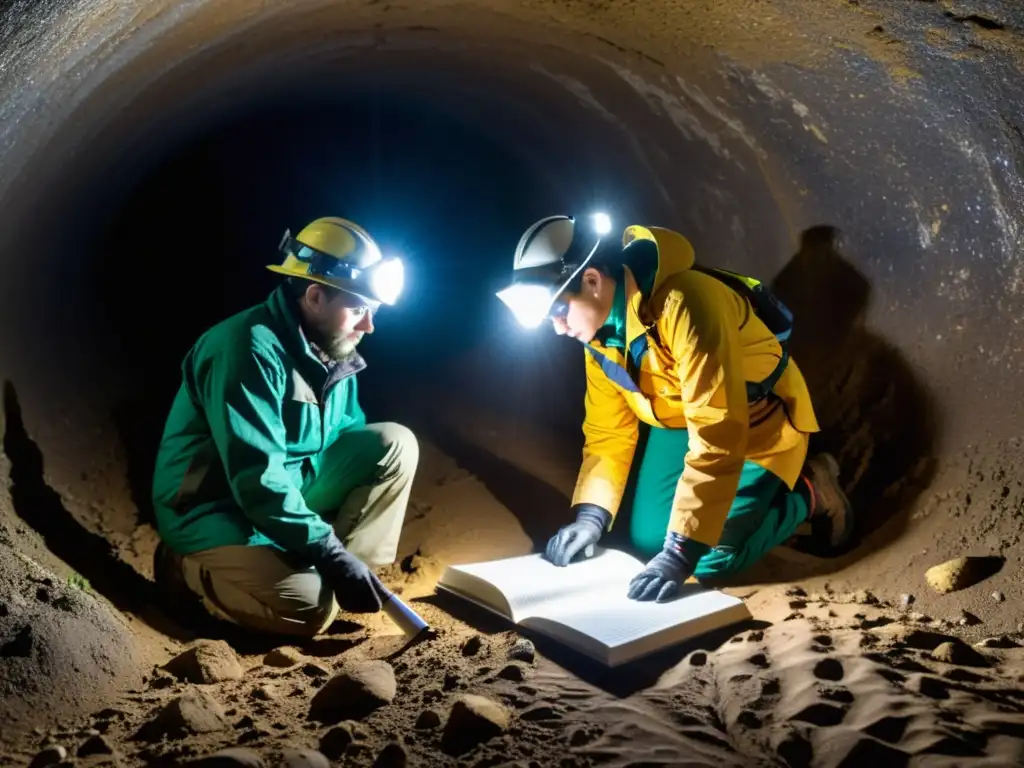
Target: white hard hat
{"type": "Point", "coordinates": [549, 255]}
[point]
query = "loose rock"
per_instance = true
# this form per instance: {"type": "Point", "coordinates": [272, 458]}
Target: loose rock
{"type": "Point", "coordinates": [355, 692]}
{"type": "Point", "coordinates": [960, 654]}
{"type": "Point", "coordinates": [428, 719]}
{"type": "Point", "coordinates": [303, 758]}
{"type": "Point", "coordinates": [315, 671]}
{"type": "Point", "coordinates": [906, 600]}
{"type": "Point", "coordinates": [266, 692]}
{"type": "Point", "coordinates": [235, 757]}
{"type": "Point", "coordinates": [954, 575]}
{"type": "Point", "coordinates": [392, 756]}
{"type": "Point", "coordinates": [968, 619]}
{"type": "Point", "coordinates": [95, 745]}
{"type": "Point", "coordinates": [512, 672]}
{"type": "Point", "coordinates": [193, 712]}
{"type": "Point", "coordinates": [336, 741]}
{"type": "Point", "coordinates": [998, 597]}
{"type": "Point", "coordinates": [523, 650]}
{"type": "Point", "coordinates": [208, 661]}
{"type": "Point", "coordinates": [472, 721]}
{"type": "Point", "coordinates": [282, 657]}
{"type": "Point", "coordinates": [49, 756]}
{"type": "Point", "coordinates": [162, 679]}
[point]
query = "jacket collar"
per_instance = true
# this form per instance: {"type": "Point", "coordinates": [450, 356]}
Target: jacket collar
{"type": "Point", "coordinates": [286, 319]}
{"type": "Point", "coordinates": [670, 252]}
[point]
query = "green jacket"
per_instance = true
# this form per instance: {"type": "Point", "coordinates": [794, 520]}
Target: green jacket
{"type": "Point", "coordinates": [247, 431]}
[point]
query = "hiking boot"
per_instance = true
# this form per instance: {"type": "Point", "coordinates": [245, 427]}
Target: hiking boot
{"type": "Point", "coordinates": [830, 503]}
{"type": "Point", "coordinates": [178, 601]}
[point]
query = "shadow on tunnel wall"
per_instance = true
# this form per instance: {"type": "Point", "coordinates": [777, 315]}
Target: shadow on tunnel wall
{"type": "Point", "coordinates": [877, 417]}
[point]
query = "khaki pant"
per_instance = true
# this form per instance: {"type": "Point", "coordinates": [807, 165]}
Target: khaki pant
{"type": "Point", "coordinates": [363, 486]}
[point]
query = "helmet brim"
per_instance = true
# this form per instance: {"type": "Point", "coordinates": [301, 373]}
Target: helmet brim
{"type": "Point", "coordinates": [370, 301]}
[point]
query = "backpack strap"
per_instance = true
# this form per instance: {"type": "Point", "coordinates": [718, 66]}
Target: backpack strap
{"type": "Point", "coordinates": [771, 311]}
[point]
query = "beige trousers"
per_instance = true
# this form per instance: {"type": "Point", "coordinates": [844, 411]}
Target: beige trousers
{"type": "Point", "coordinates": [364, 485]}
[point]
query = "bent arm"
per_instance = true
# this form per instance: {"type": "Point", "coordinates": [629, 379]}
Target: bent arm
{"type": "Point", "coordinates": [706, 346]}
{"type": "Point", "coordinates": [243, 398]}
{"type": "Point", "coordinates": [610, 431]}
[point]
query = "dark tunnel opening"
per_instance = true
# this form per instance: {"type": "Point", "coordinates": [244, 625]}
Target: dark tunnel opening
{"type": "Point", "coordinates": [864, 160]}
{"type": "Point", "coordinates": [198, 230]}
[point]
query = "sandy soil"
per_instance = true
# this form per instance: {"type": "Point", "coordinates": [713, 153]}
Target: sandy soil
{"type": "Point", "coordinates": [823, 676]}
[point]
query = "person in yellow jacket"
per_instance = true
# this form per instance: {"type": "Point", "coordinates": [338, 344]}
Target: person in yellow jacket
{"type": "Point", "coordinates": [700, 355]}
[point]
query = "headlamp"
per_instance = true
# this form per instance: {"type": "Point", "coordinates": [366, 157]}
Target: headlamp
{"type": "Point", "coordinates": [387, 278]}
{"type": "Point", "coordinates": [537, 292]}
{"type": "Point", "coordinates": [382, 280]}
{"type": "Point", "coordinates": [528, 302]}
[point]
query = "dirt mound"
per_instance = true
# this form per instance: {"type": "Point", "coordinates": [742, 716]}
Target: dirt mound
{"type": "Point", "coordinates": [62, 651]}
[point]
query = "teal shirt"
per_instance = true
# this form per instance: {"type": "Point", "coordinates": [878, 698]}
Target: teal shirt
{"type": "Point", "coordinates": [247, 431]}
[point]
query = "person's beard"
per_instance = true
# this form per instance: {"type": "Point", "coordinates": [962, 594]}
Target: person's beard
{"type": "Point", "coordinates": [337, 345]}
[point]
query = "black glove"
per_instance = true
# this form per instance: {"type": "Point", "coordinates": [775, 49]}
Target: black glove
{"type": "Point", "coordinates": [356, 588]}
{"type": "Point", "coordinates": [665, 572]}
{"type": "Point", "coordinates": [591, 522]}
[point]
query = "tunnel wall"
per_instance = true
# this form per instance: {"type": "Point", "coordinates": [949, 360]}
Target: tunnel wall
{"type": "Point", "coordinates": [868, 160]}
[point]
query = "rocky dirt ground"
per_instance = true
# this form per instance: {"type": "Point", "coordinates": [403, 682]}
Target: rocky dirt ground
{"type": "Point", "coordinates": [828, 673]}
{"type": "Point", "coordinates": [840, 680]}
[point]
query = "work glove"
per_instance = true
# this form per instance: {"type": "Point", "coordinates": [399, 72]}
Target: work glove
{"type": "Point", "coordinates": [356, 588]}
{"type": "Point", "coordinates": [591, 522]}
{"type": "Point", "coordinates": [665, 572]}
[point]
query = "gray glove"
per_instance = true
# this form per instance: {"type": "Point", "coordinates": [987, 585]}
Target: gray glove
{"type": "Point", "coordinates": [665, 573]}
{"type": "Point", "coordinates": [571, 540]}
{"type": "Point", "coordinates": [356, 588]}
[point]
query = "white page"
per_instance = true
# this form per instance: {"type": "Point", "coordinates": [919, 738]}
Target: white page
{"type": "Point", "coordinates": [617, 630]}
{"type": "Point", "coordinates": [530, 581]}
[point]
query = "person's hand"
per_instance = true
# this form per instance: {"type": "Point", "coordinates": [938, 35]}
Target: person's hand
{"type": "Point", "coordinates": [591, 521]}
{"type": "Point", "coordinates": [664, 574]}
{"type": "Point", "coordinates": [356, 588]}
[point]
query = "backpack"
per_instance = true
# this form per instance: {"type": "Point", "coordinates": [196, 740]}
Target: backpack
{"type": "Point", "coordinates": [766, 306]}
{"type": "Point", "coordinates": [771, 311]}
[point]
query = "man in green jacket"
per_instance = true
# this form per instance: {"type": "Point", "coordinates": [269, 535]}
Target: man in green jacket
{"type": "Point", "coordinates": [272, 494]}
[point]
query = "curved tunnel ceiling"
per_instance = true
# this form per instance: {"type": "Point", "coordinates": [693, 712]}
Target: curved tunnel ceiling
{"type": "Point", "coordinates": [869, 160]}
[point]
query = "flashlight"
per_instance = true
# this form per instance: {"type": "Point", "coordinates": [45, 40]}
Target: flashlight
{"type": "Point", "coordinates": [410, 622]}
{"type": "Point", "coordinates": [602, 223]}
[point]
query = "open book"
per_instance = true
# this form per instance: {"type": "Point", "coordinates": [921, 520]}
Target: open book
{"type": "Point", "coordinates": [585, 606]}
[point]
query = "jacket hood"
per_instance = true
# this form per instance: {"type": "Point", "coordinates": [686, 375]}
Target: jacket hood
{"type": "Point", "coordinates": [670, 251]}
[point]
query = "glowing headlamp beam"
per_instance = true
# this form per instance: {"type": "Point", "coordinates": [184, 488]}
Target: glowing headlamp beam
{"type": "Point", "coordinates": [387, 279]}
{"type": "Point", "coordinates": [529, 304]}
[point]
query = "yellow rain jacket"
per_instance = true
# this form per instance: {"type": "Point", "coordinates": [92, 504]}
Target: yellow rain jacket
{"type": "Point", "coordinates": [704, 344]}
